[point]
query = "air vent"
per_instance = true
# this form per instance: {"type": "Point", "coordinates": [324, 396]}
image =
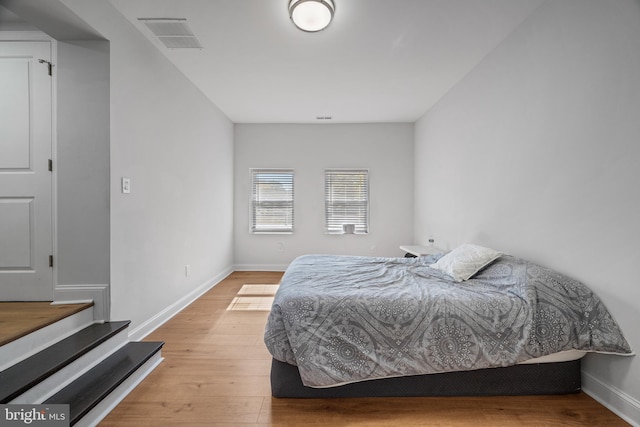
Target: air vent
{"type": "Point", "coordinates": [174, 33]}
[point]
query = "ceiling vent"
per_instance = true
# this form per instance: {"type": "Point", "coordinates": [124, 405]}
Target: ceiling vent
{"type": "Point", "coordinates": [174, 33]}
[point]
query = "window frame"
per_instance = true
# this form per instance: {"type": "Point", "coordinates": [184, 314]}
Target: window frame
{"type": "Point", "coordinates": [254, 227]}
{"type": "Point", "coordinates": [361, 227]}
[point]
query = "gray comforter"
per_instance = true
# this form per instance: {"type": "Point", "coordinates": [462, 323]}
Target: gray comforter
{"type": "Point", "coordinates": [344, 319]}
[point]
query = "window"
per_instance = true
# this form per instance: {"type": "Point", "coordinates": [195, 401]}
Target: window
{"type": "Point", "coordinates": [346, 200]}
{"type": "Point", "coordinates": [271, 201]}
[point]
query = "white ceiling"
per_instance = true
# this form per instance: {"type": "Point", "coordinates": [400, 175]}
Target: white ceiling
{"type": "Point", "coordinates": [12, 22]}
{"type": "Point", "coordinates": [378, 61]}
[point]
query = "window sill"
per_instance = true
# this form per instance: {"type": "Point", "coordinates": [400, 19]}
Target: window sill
{"type": "Point", "coordinates": [271, 232]}
{"type": "Point", "coordinates": [344, 234]}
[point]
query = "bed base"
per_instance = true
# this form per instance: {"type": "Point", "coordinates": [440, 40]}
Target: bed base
{"type": "Point", "coordinates": [532, 379]}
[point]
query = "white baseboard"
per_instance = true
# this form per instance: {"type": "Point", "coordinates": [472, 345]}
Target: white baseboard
{"type": "Point", "coordinates": [614, 399]}
{"type": "Point", "coordinates": [98, 293]}
{"type": "Point", "coordinates": [159, 319]}
{"type": "Point", "coordinates": [260, 267]}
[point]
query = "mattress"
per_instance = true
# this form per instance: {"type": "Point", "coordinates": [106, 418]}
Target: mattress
{"type": "Point", "coordinates": [562, 356]}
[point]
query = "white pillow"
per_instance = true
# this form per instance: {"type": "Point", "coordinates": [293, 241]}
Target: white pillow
{"type": "Point", "coordinates": [465, 261]}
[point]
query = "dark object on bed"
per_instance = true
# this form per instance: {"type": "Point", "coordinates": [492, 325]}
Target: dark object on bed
{"type": "Point", "coordinates": [541, 378]}
{"type": "Point", "coordinates": [528, 379]}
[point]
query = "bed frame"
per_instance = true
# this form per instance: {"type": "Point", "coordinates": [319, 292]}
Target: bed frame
{"type": "Point", "coordinates": [527, 379]}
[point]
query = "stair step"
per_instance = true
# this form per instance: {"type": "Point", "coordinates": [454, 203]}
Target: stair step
{"type": "Point", "coordinates": [22, 318]}
{"type": "Point", "coordinates": [86, 392]}
{"type": "Point", "coordinates": [36, 341]}
{"type": "Point", "coordinates": [25, 374]}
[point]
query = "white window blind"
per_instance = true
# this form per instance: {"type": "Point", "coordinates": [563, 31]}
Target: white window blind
{"type": "Point", "coordinates": [346, 200]}
{"type": "Point", "coordinates": [271, 201]}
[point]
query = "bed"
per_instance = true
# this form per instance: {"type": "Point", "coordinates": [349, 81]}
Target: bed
{"type": "Point", "coordinates": [440, 325]}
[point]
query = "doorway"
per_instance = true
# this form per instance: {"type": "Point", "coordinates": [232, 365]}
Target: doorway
{"type": "Point", "coordinates": [26, 213]}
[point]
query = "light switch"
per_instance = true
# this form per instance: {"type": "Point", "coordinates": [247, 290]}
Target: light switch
{"type": "Point", "coordinates": [126, 185]}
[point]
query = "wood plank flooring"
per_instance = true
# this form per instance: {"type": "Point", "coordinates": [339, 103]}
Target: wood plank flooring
{"type": "Point", "coordinates": [18, 319]}
{"type": "Point", "coordinates": [216, 373]}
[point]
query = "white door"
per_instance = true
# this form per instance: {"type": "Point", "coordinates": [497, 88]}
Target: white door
{"type": "Point", "coordinates": [25, 179]}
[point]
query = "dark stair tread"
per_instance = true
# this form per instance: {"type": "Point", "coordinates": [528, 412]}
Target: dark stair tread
{"type": "Point", "coordinates": [86, 392]}
{"type": "Point", "coordinates": [20, 377]}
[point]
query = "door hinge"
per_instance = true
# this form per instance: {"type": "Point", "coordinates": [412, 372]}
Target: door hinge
{"type": "Point", "coordinates": [50, 260]}
{"type": "Point", "coordinates": [49, 64]}
{"type": "Point", "coordinates": [50, 165]}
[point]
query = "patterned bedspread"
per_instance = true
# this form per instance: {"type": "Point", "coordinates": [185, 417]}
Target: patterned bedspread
{"type": "Point", "coordinates": [342, 319]}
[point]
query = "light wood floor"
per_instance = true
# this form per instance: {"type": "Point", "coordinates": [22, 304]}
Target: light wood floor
{"type": "Point", "coordinates": [18, 319]}
{"type": "Point", "coordinates": [216, 373]}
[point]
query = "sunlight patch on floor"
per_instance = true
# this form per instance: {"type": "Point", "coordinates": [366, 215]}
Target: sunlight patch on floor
{"type": "Point", "coordinates": [258, 290]}
{"type": "Point", "coordinates": [254, 298]}
{"type": "Point", "coordinates": [251, 303]}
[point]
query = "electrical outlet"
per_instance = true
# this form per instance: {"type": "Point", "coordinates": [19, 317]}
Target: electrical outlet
{"type": "Point", "coordinates": [126, 185]}
{"type": "Point", "coordinates": [187, 270]}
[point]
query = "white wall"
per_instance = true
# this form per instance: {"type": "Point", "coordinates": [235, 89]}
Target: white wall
{"type": "Point", "coordinates": [385, 149]}
{"type": "Point", "coordinates": [82, 162]}
{"type": "Point", "coordinates": [177, 148]}
{"type": "Point", "coordinates": [536, 153]}
{"type": "Point", "coordinates": [81, 170]}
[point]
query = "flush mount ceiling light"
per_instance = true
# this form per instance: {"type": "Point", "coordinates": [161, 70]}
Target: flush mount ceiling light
{"type": "Point", "coordinates": [311, 15]}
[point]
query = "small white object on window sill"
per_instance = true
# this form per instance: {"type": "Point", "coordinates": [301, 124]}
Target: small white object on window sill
{"type": "Point", "coordinates": [348, 228]}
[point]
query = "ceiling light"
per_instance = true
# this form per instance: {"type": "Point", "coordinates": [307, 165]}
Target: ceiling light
{"type": "Point", "coordinates": [311, 15]}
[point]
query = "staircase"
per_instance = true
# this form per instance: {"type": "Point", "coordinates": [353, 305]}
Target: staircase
{"type": "Point", "coordinates": [91, 368]}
